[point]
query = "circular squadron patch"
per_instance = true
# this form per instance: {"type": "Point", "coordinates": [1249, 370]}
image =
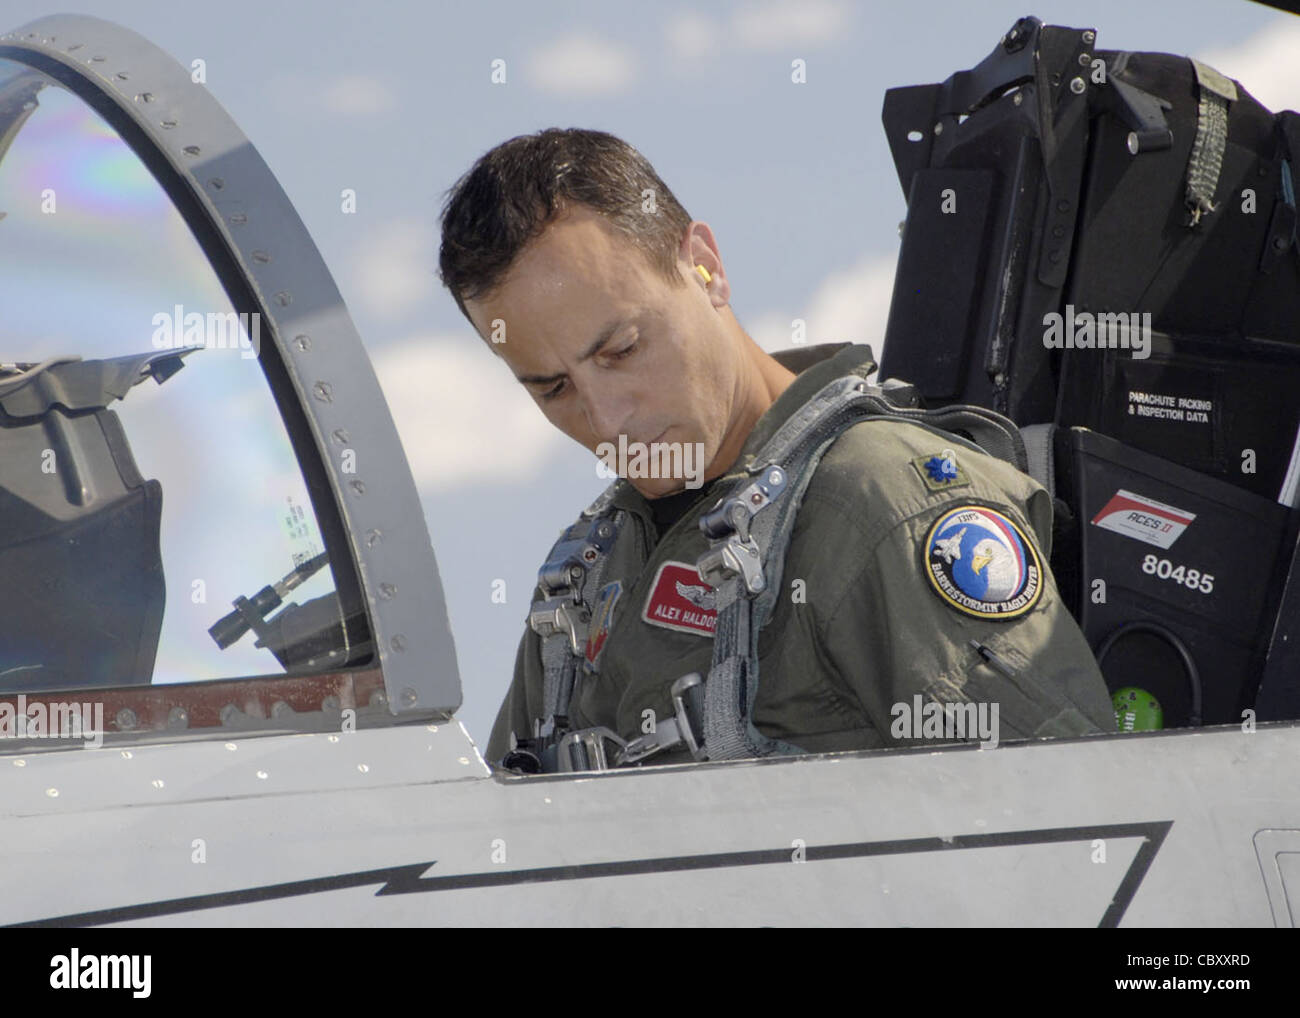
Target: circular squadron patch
{"type": "Point", "coordinates": [982, 564]}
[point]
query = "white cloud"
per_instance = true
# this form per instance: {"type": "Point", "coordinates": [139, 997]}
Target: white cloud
{"type": "Point", "coordinates": [582, 63]}
{"type": "Point", "coordinates": [780, 24]}
{"type": "Point", "coordinates": [1266, 64]}
{"type": "Point", "coordinates": [462, 417]}
{"type": "Point", "coordinates": [395, 268]}
{"type": "Point", "coordinates": [358, 95]}
{"type": "Point", "coordinates": [850, 306]}
{"type": "Point", "coordinates": [692, 35]}
{"type": "Point", "coordinates": [350, 95]}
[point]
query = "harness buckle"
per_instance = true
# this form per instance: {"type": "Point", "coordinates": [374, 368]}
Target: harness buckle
{"type": "Point", "coordinates": [584, 750]}
{"type": "Point", "coordinates": [560, 615]}
{"type": "Point", "coordinates": [687, 693]}
{"type": "Point", "coordinates": [666, 735]}
{"type": "Point", "coordinates": [688, 698]}
{"type": "Point", "coordinates": [561, 579]}
{"type": "Point", "coordinates": [728, 523]}
{"type": "Point", "coordinates": [719, 564]}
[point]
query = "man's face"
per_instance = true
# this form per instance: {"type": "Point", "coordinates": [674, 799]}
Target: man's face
{"type": "Point", "coordinates": [606, 347]}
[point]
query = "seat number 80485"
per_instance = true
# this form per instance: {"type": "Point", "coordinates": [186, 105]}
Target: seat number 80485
{"type": "Point", "coordinates": [1192, 579]}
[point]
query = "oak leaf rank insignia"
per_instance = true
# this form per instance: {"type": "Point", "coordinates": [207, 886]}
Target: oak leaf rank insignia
{"type": "Point", "coordinates": [941, 471]}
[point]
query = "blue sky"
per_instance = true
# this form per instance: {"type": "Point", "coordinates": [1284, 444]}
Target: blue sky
{"type": "Point", "coordinates": [395, 101]}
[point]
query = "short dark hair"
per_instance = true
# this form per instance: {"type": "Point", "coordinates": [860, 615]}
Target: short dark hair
{"type": "Point", "coordinates": [510, 195]}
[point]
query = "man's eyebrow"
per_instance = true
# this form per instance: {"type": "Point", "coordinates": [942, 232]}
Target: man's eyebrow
{"type": "Point", "coordinates": [604, 337]}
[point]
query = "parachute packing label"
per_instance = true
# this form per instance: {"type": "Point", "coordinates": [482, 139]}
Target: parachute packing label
{"type": "Point", "coordinates": [1143, 519]}
{"type": "Point", "coordinates": [981, 563]}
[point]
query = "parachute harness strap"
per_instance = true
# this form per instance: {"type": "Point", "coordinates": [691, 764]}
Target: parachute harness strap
{"type": "Point", "coordinates": [570, 580]}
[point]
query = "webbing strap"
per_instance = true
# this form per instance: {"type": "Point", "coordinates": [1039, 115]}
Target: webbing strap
{"type": "Point", "coordinates": [1206, 160]}
{"type": "Point", "coordinates": [560, 667]}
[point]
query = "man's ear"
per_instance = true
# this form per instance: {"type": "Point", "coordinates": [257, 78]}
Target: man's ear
{"type": "Point", "coordinates": [699, 248]}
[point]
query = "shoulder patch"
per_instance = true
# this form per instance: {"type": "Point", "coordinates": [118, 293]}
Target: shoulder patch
{"type": "Point", "coordinates": [981, 563]}
{"type": "Point", "coordinates": [941, 471]}
{"type": "Point", "coordinates": [601, 620]}
{"type": "Point", "coordinates": [679, 599]}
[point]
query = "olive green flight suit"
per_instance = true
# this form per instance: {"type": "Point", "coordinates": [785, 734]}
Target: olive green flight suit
{"type": "Point", "coordinates": [859, 626]}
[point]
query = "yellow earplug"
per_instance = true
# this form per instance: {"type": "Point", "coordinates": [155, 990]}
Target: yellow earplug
{"type": "Point", "coordinates": [704, 272]}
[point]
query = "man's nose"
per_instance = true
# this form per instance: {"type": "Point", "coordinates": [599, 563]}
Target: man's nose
{"type": "Point", "coordinates": [606, 411]}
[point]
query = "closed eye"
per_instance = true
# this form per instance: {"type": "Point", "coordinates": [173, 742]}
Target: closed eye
{"type": "Point", "coordinates": [617, 356]}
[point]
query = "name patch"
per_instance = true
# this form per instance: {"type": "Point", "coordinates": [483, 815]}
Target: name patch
{"type": "Point", "coordinates": [680, 599]}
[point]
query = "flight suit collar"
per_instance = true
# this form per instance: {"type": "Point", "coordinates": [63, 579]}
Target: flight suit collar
{"type": "Point", "coordinates": [815, 366]}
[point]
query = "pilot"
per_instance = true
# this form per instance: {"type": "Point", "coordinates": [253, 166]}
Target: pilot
{"type": "Point", "coordinates": [915, 573]}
